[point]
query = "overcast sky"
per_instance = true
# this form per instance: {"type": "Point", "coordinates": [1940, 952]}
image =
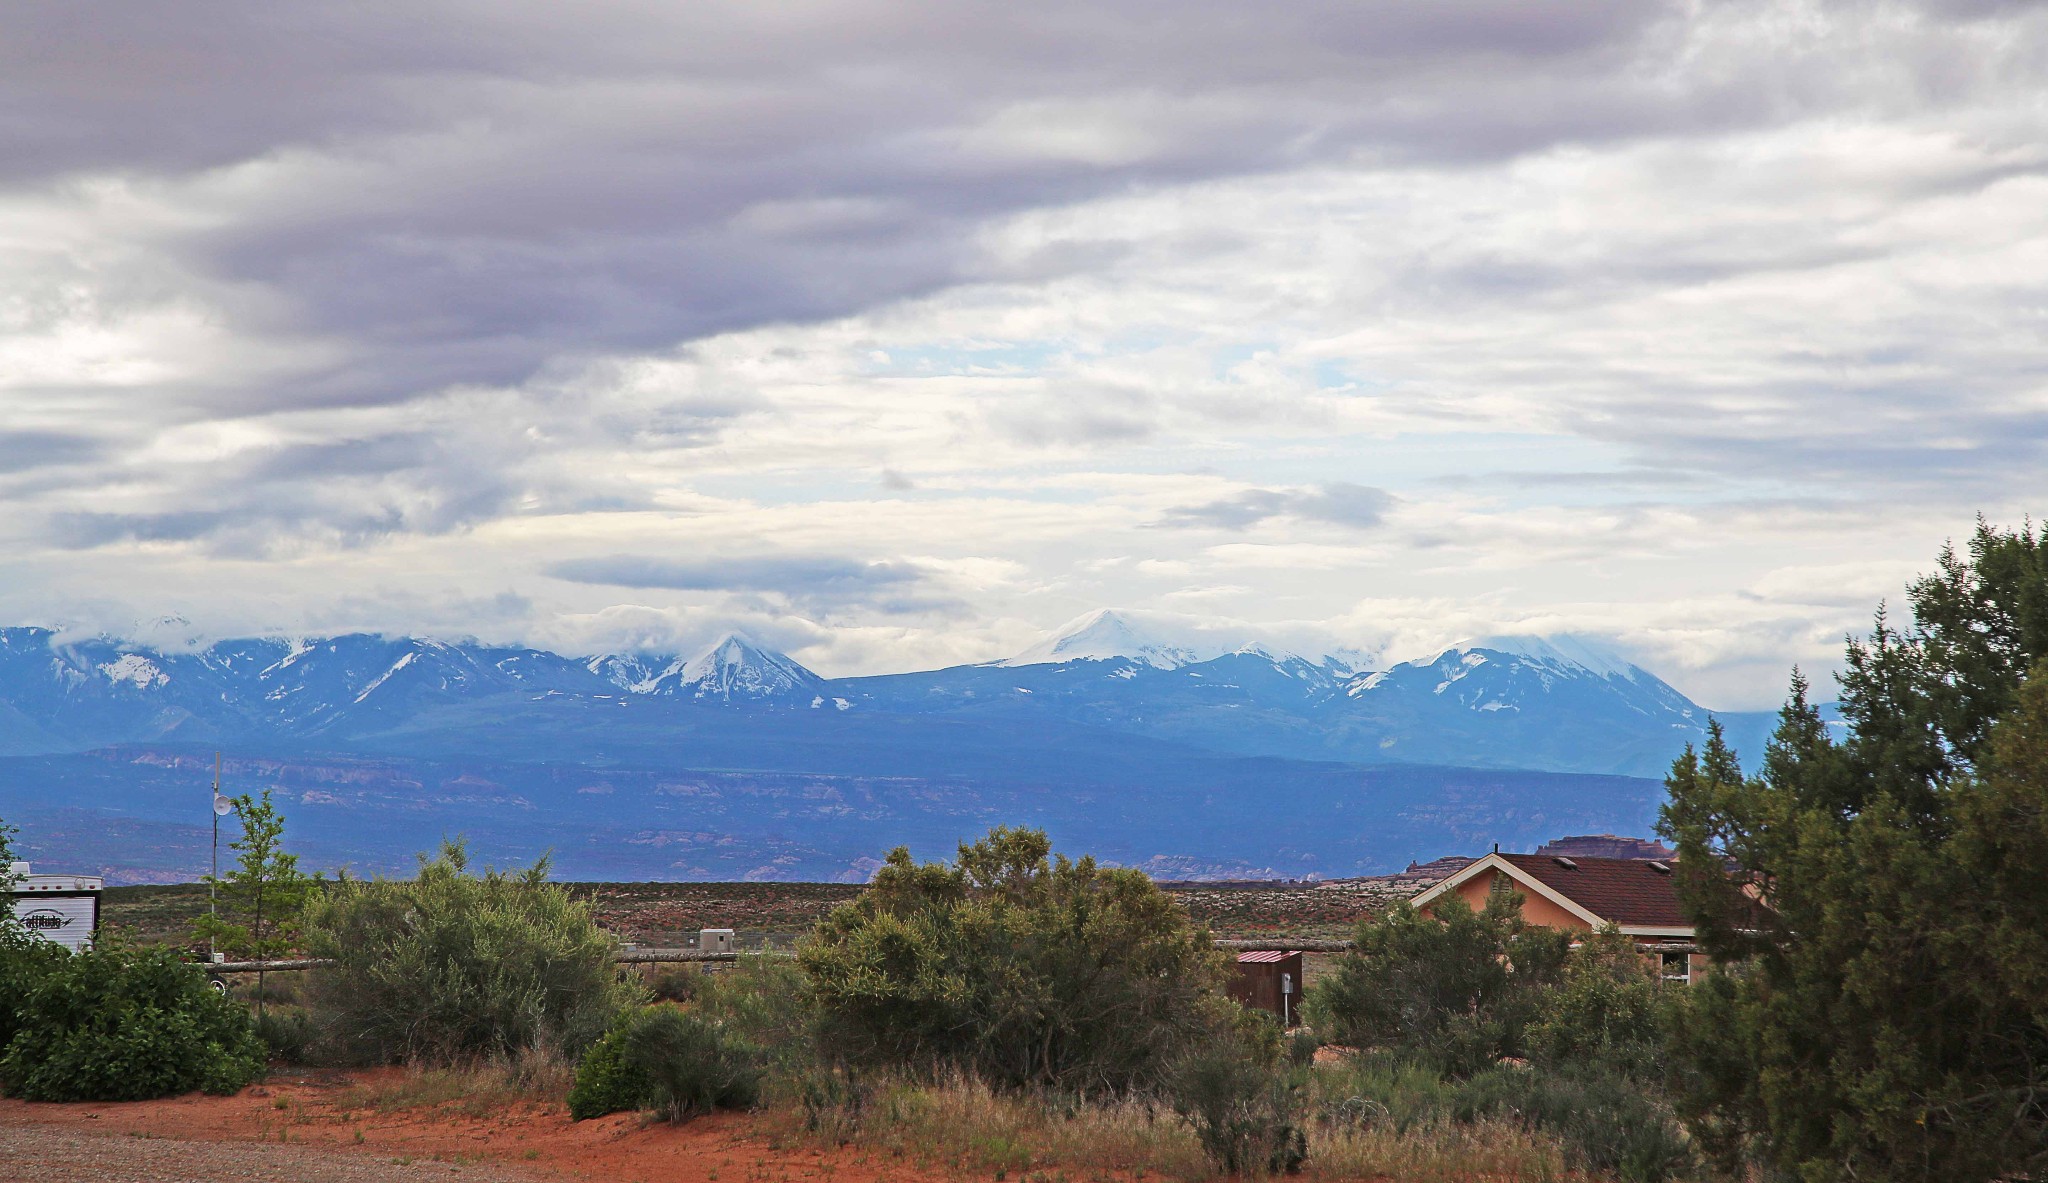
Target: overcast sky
{"type": "Point", "coordinates": [896, 333]}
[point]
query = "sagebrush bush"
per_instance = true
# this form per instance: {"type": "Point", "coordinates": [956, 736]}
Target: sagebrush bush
{"type": "Point", "coordinates": [1605, 1122]}
{"type": "Point", "coordinates": [669, 1060]}
{"type": "Point", "coordinates": [1015, 969]}
{"type": "Point", "coordinates": [122, 1024]}
{"type": "Point", "coordinates": [1244, 1108]}
{"type": "Point", "coordinates": [452, 966]}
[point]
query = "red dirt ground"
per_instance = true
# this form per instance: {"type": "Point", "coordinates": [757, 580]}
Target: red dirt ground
{"type": "Point", "coordinates": [303, 1109]}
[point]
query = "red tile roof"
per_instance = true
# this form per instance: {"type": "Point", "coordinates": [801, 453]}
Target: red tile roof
{"type": "Point", "coordinates": [1626, 891]}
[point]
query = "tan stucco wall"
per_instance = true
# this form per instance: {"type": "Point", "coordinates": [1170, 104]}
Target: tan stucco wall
{"type": "Point", "coordinates": [1535, 908]}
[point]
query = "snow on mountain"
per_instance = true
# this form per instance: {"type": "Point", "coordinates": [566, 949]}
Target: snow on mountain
{"type": "Point", "coordinates": [1564, 651]}
{"type": "Point", "coordinates": [1107, 634]}
{"type": "Point", "coordinates": [734, 669]}
{"type": "Point", "coordinates": [1167, 642]}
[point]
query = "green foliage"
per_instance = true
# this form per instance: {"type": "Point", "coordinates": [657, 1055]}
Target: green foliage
{"type": "Point", "coordinates": [1244, 1109]}
{"type": "Point", "coordinates": [1458, 990]}
{"type": "Point", "coordinates": [662, 1058]}
{"type": "Point", "coordinates": [453, 966]}
{"type": "Point", "coordinates": [7, 858]}
{"type": "Point", "coordinates": [259, 901]}
{"type": "Point", "coordinates": [1016, 969]}
{"type": "Point", "coordinates": [1604, 1122]}
{"type": "Point", "coordinates": [121, 1024]}
{"type": "Point", "coordinates": [1610, 1011]}
{"type": "Point", "coordinates": [287, 1035]}
{"type": "Point", "coordinates": [25, 959]}
{"type": "Point", "coordinates": [604, 1082]}
{"type": "Point", "coordinates": [676, 983]}
{"type": "Point", "coordinates": [1607, 1123]}
{"type": "Point", "coordinates": [1885, 1021]}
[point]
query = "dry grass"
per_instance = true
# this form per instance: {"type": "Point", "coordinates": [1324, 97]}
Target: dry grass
{"type": "Point", "coordinates": [472, 1090]}
{"type": "Point", "coordinates": [966, 1128]}
{"type": "Point", "coordinates": [1443, 1152]}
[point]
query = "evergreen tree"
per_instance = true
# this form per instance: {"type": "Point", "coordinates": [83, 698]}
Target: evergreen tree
{"type": "Point", "coordinates": [1884, 1014]}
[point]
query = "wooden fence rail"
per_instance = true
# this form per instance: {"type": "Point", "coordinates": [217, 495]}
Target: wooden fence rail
{"type": "Point", "coordinates": [669, 956]}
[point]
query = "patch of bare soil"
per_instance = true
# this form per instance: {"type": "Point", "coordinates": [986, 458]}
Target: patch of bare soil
{"type": "Point", "coordinates": [321, 1126]}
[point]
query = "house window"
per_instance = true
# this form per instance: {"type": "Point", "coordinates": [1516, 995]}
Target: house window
{"type": "Point", "coordinates": [1678, 967]}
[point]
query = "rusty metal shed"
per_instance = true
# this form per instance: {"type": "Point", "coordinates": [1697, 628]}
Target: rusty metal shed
{"type": "Point", "coordinates": [1270, 981]}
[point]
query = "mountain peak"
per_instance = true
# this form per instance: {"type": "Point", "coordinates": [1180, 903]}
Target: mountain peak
{"type": "Point", "coordinates": [1561, 650]}
{"type": "Point", "coordinates": [736, 668]}
{"type": "Point", "coordinates": [1109, 633]}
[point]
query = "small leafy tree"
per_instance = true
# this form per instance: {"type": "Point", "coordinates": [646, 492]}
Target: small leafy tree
{"type": "Point", "coordinates": [453, 966]}
{"type": "Point", "coordinates": [1457, 989]}
{"type": "Point", "coordinates": [1018, 968]}
{"type": "Point", "coordinates": [260, 900]}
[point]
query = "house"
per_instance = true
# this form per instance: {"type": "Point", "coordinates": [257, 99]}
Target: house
{"type": "Point", "coordinates": [1271, 981]}
{"type": "Point", "coordinates": [1582, 894]}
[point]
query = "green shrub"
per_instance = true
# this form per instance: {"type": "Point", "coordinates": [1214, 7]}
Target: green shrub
{"type": "Point", "coordinates": [1245, 1111]}
{"type": "Point", "coordinates": [1016, 970]}
{"type": "Point", "coordinates": [1458, 990]}
{"type": "Point", "coordinates": [604, 1083]}
{"type": "Point", "coordinates": [119, 1024]}
{"type": "Point", "coordinates": [675, 983]}
{"type": "Point", "coordinates": [692, 1065]}
{"type": "Point", "coordinates": [1611, 1011]}
{"type": "Point", "coordinates": [669, 1060]}
{"type": "Point", "coordinates": [766, 1001]}
{"type": "Point", "coordinates": [452, 967]}
{"type": "Point", "coordinates": [286, 1034]}
{"type": "Point", "coordinates": [25, 959]}
{"type": "Point", "coordinates": [1606, 1123]}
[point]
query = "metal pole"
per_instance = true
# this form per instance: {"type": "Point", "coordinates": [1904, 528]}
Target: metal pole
{"type": "Point", "coordinates": [211, 880]}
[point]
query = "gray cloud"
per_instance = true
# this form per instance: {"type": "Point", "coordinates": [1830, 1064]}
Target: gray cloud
{"type": "Point", "coordinates": [460, 195]}
{"type": "Point", "coordinates": [21, 451]}
{"type": "Point", "coordinates": [1357, 506]}
{"type": "Point", "coordinates": [816, 582]}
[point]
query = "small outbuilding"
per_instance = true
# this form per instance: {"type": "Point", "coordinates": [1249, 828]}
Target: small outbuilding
{"type": "Point", "coordinates": [1270, 981]}
{"type": "Point", "coordinates": [61, 909]}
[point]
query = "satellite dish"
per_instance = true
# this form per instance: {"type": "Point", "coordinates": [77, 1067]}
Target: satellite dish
{"type": "Point", "coordinates": [222, 806]}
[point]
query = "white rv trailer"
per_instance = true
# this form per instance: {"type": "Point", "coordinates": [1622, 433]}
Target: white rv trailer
{"type": "Point", "coordinates": [62, 909]}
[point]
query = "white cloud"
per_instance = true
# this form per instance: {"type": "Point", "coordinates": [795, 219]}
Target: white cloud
{"type": "Point", "coordinates": [1694, 327]}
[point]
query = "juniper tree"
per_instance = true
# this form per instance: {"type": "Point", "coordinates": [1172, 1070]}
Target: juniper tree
{"type": "Point", "coordinates": [1886, 1017]}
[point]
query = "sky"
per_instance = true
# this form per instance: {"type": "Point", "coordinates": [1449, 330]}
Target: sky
{"type": "Point", "coordinates": [895, 334]}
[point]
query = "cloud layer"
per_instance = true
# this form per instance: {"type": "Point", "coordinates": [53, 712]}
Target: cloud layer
{"type": "Point", "coordinates": [897, 332]}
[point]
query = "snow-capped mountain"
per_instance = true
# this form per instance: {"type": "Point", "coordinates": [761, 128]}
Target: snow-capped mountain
{"type": "Point", "coordinates": [1521, 701]}
{"type": "Point", "coordinates": [1556, 703]}
{"type": "Point", "coordinates": [1164, 641]}
{"type": "Point", "coordinates": [733, 669]}
{"type": "Point", "coordinates": [1128, 737]}
{"type": "Point", "coordinates": [1108, 634]}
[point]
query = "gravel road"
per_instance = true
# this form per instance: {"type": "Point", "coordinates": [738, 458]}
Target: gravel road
{"type": "Point", "coordinates": [48, 1154]}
